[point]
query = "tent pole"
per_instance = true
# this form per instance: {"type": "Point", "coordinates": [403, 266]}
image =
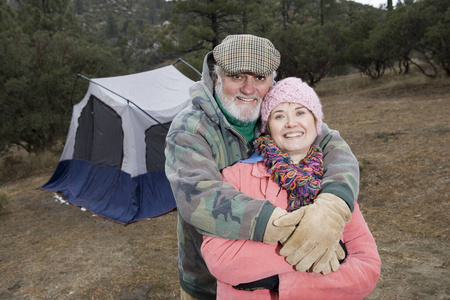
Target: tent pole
{"type": "Point", "coordinates": [129, 101]}
{"type": "Point", "coordinates": [180, 59]}
{"type": "Point", "coordinates": [73, 89]}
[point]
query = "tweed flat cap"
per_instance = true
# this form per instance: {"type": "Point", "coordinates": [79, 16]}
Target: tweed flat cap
{"type": "Point", "coordinates": [245, 53]}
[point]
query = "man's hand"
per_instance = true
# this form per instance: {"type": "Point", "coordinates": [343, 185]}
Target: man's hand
{"type": "Point", "coordinates": [275, 234]}
{"type": "Point", "coordinates": [314, 245]}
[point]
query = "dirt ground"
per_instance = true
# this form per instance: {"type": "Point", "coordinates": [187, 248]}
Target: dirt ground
{"type": "Point", "coordinates": [400, 134]}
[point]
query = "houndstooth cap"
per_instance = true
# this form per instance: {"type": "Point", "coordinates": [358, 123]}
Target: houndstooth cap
{"type": "Point", "coordinates": [245, 53]}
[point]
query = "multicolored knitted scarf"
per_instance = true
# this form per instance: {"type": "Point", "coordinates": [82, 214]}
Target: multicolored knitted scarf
{"type": "Point", "coordinates": [302, 181]}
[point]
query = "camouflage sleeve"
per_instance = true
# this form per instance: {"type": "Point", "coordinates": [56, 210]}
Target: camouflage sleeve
{"type": "Point", "coordinates": [214, 207]}
{"type": "Point", "coordinates": [341, 168]}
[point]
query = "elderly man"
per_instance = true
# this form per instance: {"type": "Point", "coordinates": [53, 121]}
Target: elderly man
{"type": "Point", "coordinates": [217, 131]}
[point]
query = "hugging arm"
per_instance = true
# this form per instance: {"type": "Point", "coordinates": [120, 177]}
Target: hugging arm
{"type": "Point", "coordinates": [235, 262]}
{"type": "Point", "coordinates": [357, 275]}
{"type": "Point", "coordinates": [213, 207]}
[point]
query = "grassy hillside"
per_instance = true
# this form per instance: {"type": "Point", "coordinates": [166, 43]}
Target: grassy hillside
{"type": "Point", "coordinates": [399, 131]}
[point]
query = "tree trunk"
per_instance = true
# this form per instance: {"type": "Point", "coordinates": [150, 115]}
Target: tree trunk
{"type": "Point", "coordinates": [389, 5]}
{"type": "Point", "coordinates": [322, 21]}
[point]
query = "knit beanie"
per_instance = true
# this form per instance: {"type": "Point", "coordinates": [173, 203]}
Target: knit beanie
{"type": "Point", "coordinates": [292, 90]}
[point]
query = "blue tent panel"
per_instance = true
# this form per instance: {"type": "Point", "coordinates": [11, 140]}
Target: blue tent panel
{"type": "Point", "coordinates": [112, 193]}
{"type": "Point", "coordinates": [155, 195]}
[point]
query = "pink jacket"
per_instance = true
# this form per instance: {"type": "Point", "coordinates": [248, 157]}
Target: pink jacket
{"type": "Point", "coordinates": [240, 261]}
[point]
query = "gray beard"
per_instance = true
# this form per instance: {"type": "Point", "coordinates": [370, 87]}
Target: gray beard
{"type": "Point", "coordinates": [245, 115]}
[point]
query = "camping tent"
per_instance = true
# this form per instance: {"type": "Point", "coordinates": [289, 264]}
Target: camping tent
{"type": "Point", "coordinates": [113, 159]}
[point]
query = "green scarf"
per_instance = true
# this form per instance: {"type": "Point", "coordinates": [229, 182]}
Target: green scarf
{"type": "Point", "coordinates": [246, 129]}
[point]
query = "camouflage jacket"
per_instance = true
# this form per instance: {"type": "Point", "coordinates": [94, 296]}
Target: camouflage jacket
{"type": "Point", "coordinates": [200, 144]}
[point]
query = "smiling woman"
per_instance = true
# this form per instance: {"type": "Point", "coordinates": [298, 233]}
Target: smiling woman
{"type": "Point", "coordinates": [287, 169]}
{"type": "Point", "coordinates": [293, 128]}
{"type": "Point", "coordinates": [292, 114]}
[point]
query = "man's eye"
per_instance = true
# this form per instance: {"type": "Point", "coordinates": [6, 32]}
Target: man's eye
{"type": "Point", "coordinates": [261, 78]}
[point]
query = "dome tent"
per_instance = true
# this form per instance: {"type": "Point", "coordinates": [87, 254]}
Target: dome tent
{"type": "Point", "coordinates": [113, 159]}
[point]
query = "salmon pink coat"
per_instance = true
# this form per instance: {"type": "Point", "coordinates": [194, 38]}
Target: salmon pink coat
{"type": "Point", "coordinates": [240, 261]}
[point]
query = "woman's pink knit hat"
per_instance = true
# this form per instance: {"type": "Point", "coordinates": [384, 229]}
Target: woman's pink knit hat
{"type": "Point", "coordinates": [292, 90]}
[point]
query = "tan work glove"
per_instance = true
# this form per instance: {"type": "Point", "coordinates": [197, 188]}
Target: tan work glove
{"type": "Point", "coordinates": [275, 234]}
{"type": "Point", "coordinates": [314, 245]}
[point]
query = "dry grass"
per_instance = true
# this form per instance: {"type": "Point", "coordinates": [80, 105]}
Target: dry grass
{"type": "Point", "coordinates": [50, 250]}
{"type": "Point", "coordinates": [3, 200]}
{"type": "Point", "coordinates": [19, 164]}
{"type": "Point", "coordinates": [399, 131]}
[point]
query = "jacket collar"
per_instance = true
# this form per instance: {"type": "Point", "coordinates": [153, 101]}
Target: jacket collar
{"type": "Point", "coordinates": [259, 170]}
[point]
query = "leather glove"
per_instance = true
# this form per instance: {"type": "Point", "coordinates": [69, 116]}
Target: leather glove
{"type": "Point", "coordinates": [314, 245]}
{"type": "Point", "coordinates": [275, 234]}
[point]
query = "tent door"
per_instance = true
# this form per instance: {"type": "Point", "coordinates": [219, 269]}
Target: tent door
{"type": "Point", "coordinates": [99, 137]}
{"type": "Point", "coordinates": [155, 140]}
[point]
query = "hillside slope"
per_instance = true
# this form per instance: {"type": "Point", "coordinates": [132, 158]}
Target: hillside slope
{"type": "Point", "coordinates": [401, 136]}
